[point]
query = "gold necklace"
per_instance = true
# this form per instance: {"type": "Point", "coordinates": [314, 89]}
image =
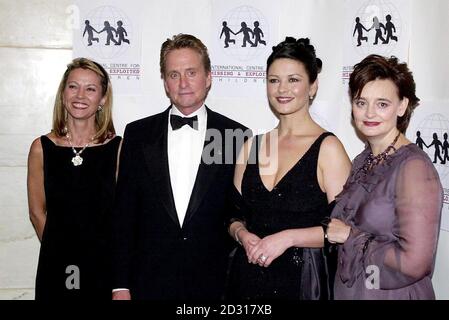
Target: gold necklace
{"type": "Point", "coordinates": [77, 160]}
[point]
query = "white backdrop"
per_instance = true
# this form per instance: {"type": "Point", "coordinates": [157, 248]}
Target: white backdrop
{"type": "Point", "coordinates": [423, 24]}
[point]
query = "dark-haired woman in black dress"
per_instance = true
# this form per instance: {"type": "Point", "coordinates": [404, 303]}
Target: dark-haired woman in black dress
{"type": "Point", "coordinates": [283, 187]}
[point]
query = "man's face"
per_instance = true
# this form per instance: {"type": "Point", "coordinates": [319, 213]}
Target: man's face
{"type": "Point", "coordinates": [186, 80]}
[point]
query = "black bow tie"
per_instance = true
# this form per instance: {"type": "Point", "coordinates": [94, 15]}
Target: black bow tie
{"type": "Point", "coordinates": [178, 121]}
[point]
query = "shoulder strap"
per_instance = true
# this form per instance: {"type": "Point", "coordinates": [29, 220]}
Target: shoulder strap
{"type": "Point", "coordinates": [313, 154]}
{"type": "Point", "coordinates": [323, 136]}
{"type": "Point", "coordinates": [316, 146]}
{"type": "Point", "coordinates": [46, 142]}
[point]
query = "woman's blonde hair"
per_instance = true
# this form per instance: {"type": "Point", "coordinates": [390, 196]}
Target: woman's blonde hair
{"type": "Point", "coordinates": [103, 118]}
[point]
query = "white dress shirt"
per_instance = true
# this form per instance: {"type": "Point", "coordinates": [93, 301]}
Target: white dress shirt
{"type": "Point", "coordinates": [184, 149]}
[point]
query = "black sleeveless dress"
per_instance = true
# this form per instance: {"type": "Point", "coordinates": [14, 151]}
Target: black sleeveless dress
{"type": "Point", "coordinates": [74, 259]}
{"type": "Point", "coordinates": [295, 202]}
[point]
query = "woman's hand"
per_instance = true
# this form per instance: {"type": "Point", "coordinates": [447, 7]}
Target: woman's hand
{"type": "Point", "coordinates": [337, 231]}
{"type": "Point", "coordinates": [268, 249]}
{"type": "Point", "coordinates": [248, 240]}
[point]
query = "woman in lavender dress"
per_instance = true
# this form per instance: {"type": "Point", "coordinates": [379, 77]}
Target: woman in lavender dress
{"type": "Point", "coordinates": [387, 217]}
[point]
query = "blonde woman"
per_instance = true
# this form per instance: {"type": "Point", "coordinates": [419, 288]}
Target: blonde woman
{"type": "Point", "coordinates": [71, 181]}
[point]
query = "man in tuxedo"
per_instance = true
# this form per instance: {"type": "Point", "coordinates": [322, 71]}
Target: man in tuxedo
{"type": "Point", "coordinates": [175, 176]}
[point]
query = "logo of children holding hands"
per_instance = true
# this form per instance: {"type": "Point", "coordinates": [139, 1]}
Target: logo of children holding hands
{"type": "Point", "coordinates": [244, 33]}
{"type": "Point", "coordinates": [107, 31]}
{"type": "Point", "coordinates": [377, 27]}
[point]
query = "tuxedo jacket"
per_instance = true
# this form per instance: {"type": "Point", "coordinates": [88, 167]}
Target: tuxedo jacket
{"type": "Point", "coordinates": [154, 256]}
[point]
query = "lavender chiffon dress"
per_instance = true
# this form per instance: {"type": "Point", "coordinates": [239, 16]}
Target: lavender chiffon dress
{"type": "Point", "coordinates": [394, 211]}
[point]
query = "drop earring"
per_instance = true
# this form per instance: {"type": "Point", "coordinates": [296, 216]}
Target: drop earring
{"type": "Point", "coordinates": [100, 108]}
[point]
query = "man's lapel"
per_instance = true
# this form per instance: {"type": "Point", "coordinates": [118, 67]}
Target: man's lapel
{"type": "Point", "coordinates": [206, 172]}
{"type": "Point", "coordinates": [156, 158]}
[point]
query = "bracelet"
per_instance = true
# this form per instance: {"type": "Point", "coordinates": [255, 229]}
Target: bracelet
{"type": "Point", "coordinates": [236, 237]}
{"type": "Point", "coordinates": [325, 234]}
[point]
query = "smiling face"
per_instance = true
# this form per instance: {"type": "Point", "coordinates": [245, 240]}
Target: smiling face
{"type": "Point", "coordinates": [377, 109]}
{"type": "Point", "coordinates": [186, 80]}
{"type": "Point", "coordinates": [288, 86]}
{"type": "Point", "coordinates": [83, 94]}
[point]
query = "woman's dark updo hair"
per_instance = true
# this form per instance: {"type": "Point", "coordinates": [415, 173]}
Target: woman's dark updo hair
{"type": "Point", "coordinates": [300, 50]}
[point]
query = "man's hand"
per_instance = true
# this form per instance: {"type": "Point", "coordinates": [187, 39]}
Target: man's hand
{"type": "Point", "coordinates": [121, 295]}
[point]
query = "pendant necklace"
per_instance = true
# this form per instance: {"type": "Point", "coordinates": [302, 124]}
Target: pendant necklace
{"type": "Point", "coordinates": [77, 160]}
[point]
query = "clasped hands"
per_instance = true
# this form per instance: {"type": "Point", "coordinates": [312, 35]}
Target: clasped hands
{"type": "Point", "coordinates": [263, 251]}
